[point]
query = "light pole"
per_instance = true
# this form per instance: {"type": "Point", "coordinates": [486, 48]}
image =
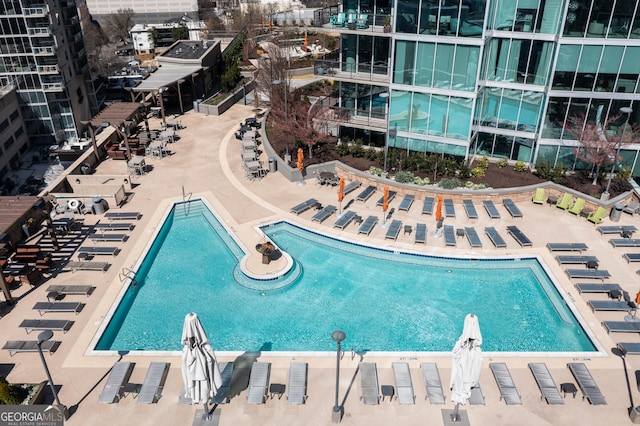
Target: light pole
{"type": "Point", "coordinates": [160, 92]}
{"type": "Point", "coordinates": [43, 337]}
{"type": "Point", "coordinates": [624, 110]}
{"type": "Point", "coordinates": [338, 410]}
{"type": "Point", "coordinates": [287, 157]}
{"type": "Point", "coordinates": [389, 134]}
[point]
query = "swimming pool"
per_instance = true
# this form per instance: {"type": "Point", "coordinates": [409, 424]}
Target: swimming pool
{"type": "Point", "coordinates": [385, 301]}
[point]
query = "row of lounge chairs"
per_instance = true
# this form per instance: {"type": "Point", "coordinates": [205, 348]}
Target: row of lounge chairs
{"type": "Point", "coordinates": [118, 384]}
{"type": "Point", "coordinates": [567, 203]}
{"type": "Point", "coordinates": [259, 383]}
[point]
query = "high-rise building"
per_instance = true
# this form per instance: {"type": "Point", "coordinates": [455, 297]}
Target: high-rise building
{"type": "Point", "coordinates": [145, 11]}
{"type": "Point", "coordinates": [500, 78]}
{"type": "Point", "coordinates": [42, 55]}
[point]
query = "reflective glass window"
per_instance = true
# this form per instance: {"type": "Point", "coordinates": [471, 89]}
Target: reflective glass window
{"type": "Point", "coordinates": [407, 16]}
{"type": "Point", "coordinates": [404, 62]}
{"type": "Point", "coordinates": [424, 64]}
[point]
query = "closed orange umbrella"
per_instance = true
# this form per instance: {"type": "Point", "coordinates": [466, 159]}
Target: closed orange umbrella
{"type": "Point", "coordinates": [638, 298]}
{"type": "Point", "coordinates": [300, 158]}
{"type": "Point", "coordinates": [306, 41]}
{"type": "Point", "coordinates": [341, 190]}
{"type": "Point", "coordinates": [270, 27]}
{"type": "Point", "coordinates": [439, 209]}
{"type": "Point", "coordinates": [385, 199]}
{"type": "Point", "coordinates": [263, 22]}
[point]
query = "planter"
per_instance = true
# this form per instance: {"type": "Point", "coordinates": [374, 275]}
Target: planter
{"type": "Point", "coordinates": [387, 28]}
{"type": "Point", "coordinates": [36, 397]}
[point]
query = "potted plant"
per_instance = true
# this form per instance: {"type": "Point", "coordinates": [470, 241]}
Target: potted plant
{"type": "Point", "coordinates": [387, 24]}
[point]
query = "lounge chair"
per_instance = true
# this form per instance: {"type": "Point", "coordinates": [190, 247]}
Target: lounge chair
{"type": "Point", "coordinates": [610, 305]}
{"type": "Point", "coordinates": [472, 237]}
{"type": "Point", "coordinates": [632, 207]}
{"type": "Point", "coordinates": [539, 197]}
{"type": "Point", "coordinates": [564, 202]}
{"type": "Point", "coordinates": [577, 207]}
{"type": "Point", "coordinates": [546, 383]}
{"type": "Point", "coordinates": [477, 397]}
{"type": "Point", "coordinates": [616, 229]}
{"type": "Point", "coordinates": [297, 383]}
{"type": "Point", "coordinates": [432, 383]}
{"type": "Point", "coordinates": [366, 193]}
{"type": "Point", "coordinates": [122, 226]}
{"type": "Point", "coordinates": [368, 225]}
{"type": "Point", "coordinates": [86, 266]}
{"type": "Point", "coordinates": [98, 251]}
{"type": "Point", "coordinates": [587, 385]}
{"type": "Point", "coordinates": [82, 290]}
{"type": "Point", "coordinates": [597, 288]}
{"type": "Point", "coordinates": [226, 373]}
{"type": "Point", "coordinates": [113, 389]}
{"type": "Point", "coordinates": [404, 385]}
{"type": "Point", "coordinates": [449, 208]}
{"type": "Point", "coordinates": [153, 383]}
{"type": "Point", "coordinates": [123, 215]}
{"type": "Point", "coordinates": [519, 236]}
{"type": "Point", "coordinates": [258, 382]}
{"type": "Point", "coordinates": [369, 383]}
{"type": "Point", "coordinates": [629, 348]}
{"type": "Point", "coordinates": [575, 260]}
{"type": "Point", "coordinates": [406, 203]}
{"type": "Point", "coordinates": [507, 387]}
{"type": "Point", "coordinates": [567, 247]}
{"type": "Point", "coordinates": [511, 207]}
{"type": "Point", "coordinates": [597, 274]}
{"type": "Point", "coordinates": [427, 205]}
{"type": "Point", "coordinates": [491, 209]}
{"type": "Point", "coordinates": [351, 186]}
{"type": "Point", "coordinates": [495, 237]}
{"type": "Point", "coordinates": [392, 195]}
{"type": "Point", "coordinates": [632, 257]}
{"type": "Point", "coordinates": [46, 307]}
{"type": "Point", "coordinates": [54, 325]}
{"type": "Point", "coordinates": [470, 209]}
{"type": "Point", "coordinates": [394, 230]}
{"type": "Point", "coordinates": [621, 326]}
{"type": "Point", "coordinates": [108, 237]}
{"type": "Point", "coordinates": [345, 220]}
{"type": "Point", "coordinates": [16, 346]}
{"type": "Point", "coordinates": [597, 216]}
{"type": "Point", "coordinates": [323, 214]}
{"type": "Point", "coordinates": [304, 206]}
{"type": "Point", "coordinates": [625, 242]}
{"type": "Point", "coordinates": [420, 237]}
{"type": "Point", "coordinates": [449, 236]}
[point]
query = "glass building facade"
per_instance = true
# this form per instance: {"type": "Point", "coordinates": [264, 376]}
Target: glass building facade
{"type": "Point", "coordinates": [500, 78]}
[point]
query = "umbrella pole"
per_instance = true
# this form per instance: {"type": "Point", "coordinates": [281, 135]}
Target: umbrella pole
{"type": "Point", "coordinates": [206, 411]}
{"type": "Point", "coordinates": [455, 417]}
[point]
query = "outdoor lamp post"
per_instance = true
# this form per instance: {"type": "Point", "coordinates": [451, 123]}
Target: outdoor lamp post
{"type": "Point", "coordinates": [43, 337]}
{"type": "Point", "coordinates": [338, 410]}
{"type": "Point", "coordinates": [623, 110]}
{"type": "Point", "coordinates": [287, 157]}
{"type": "Point", "coordinates": [160, 92]}
{"type": "Point", "coordinates": [390, 133]}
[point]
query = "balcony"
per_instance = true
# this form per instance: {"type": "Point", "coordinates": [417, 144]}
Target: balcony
{"type": "Point", "coordinates": [47, 69]}
{"type": "Point", "coordinates": [360, 22]}
{"type": "Point", "coordinates": [347, 71]}
{"type": "Point", "coordinates": [39, 11]}
{"type": "Point", "coordinates": [40, 31]}
{"type": "Point", "coordinates": [53, 87]}
{"type": "Point", "coordinates": [44, 50]}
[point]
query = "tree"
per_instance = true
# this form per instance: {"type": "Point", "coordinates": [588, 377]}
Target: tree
{"type": "Point", "coordinates": [181, 32]}
{"type": "Point", "coordinates": [597, 146]}
{"type": "Point", "coordinates": [119, 24]}
{"type": "Point", "coordinates": [95, 41]}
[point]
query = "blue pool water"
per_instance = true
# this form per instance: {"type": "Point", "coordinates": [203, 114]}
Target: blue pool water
{"type": "Point", "coordinates": [384, 301]}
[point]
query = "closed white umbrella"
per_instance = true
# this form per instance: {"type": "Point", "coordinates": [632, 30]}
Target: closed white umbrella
{"type": "Point", "coordinates": [200, 371]}
{"type": "Point", "coordinates": [467, 363]}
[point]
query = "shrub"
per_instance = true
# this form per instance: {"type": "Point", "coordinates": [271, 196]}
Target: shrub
{"type": "Point", "coordinates": [450, 183]}
{"type": "Point", "coordinates": [376, 171]}
{"type": "Point", "coordinates": [404, 177]}
{"type": "Point", "coordinates": [558, 174]}
{"type": "Point", "coordinates": [420, 181]}
{"type": "Point", "coordinates": [624, 173]}
{"type": "Point", "coordinates": [478, 172]}
{"type": "Point", "coordinates": [483, 163]}
{"type": "Point", "coordinates": [502, 163]}
{"type": "Point", "coordinates": [9, 394]}
{"type": "Point", "coordinates": [371, 154]}
{"type": "Point", "coordinates": [342, 149]}
{"type": "Point", "coordinates": [356, 149]}
{"type": "Point", "coordinates": [520, 166]}
{"type": "Point", "coordinates": [464, 171]}
{"type": "Point", "coordinates": [543, 170]}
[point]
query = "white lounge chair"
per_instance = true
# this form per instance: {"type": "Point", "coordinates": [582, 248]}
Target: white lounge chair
{"type": "Point", "coordinates": [432, 383]}
{"type": "Point", "coordinates": [151, 388]}
{"type": "Point", "coordinates": [588, 386]}
{"type": "Point", "coordinates": [369, 388]}
{"type": "Point", "coordinates": [404, 385]}
{"type": "Point", "coordinates": [113, 389]}
{"type": "Point", "coordinates": [258, 382]}
{"type": "Point", "coordinates": [546, 383]}
{"type": "Point", "coordinates": [226, 373]}
{"type": "Point", "coordinates": [297, 383]}
{"type": "Point", "coordinates": [507, 387]}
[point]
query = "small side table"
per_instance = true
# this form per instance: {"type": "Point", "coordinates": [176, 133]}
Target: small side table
{"type": "Point", "coordinates": [387, 390]}
{"type": "Point", "coordinates": [552, 199]}
{"type": "Point", "coordinates": [276, 389]}
{"type": "Point", "coordinates": [568, 388]}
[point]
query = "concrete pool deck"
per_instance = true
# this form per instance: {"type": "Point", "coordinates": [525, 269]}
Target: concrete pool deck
{"type": "Point", "coordinates": [206, 162]}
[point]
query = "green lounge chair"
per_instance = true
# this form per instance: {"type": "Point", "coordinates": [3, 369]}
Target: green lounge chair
{"type": "Point", "coordinates": [597, 216]}
{"type": "Point", "coordinates": [577, 207]}
{"type": "Point", "coordinates": [539, 197]}
{"type": "Point", "coordinates": [564, 202]}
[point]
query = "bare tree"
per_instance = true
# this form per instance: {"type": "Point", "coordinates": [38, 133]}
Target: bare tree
{"type": "Point", "coordinates": [597, 146]}
{"type": "Point", "coordinates": [272, 66]}
{"type": "Point", "coordinates": [95, 41]}
{"type": "Point", "coordinates": [119, 24]}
